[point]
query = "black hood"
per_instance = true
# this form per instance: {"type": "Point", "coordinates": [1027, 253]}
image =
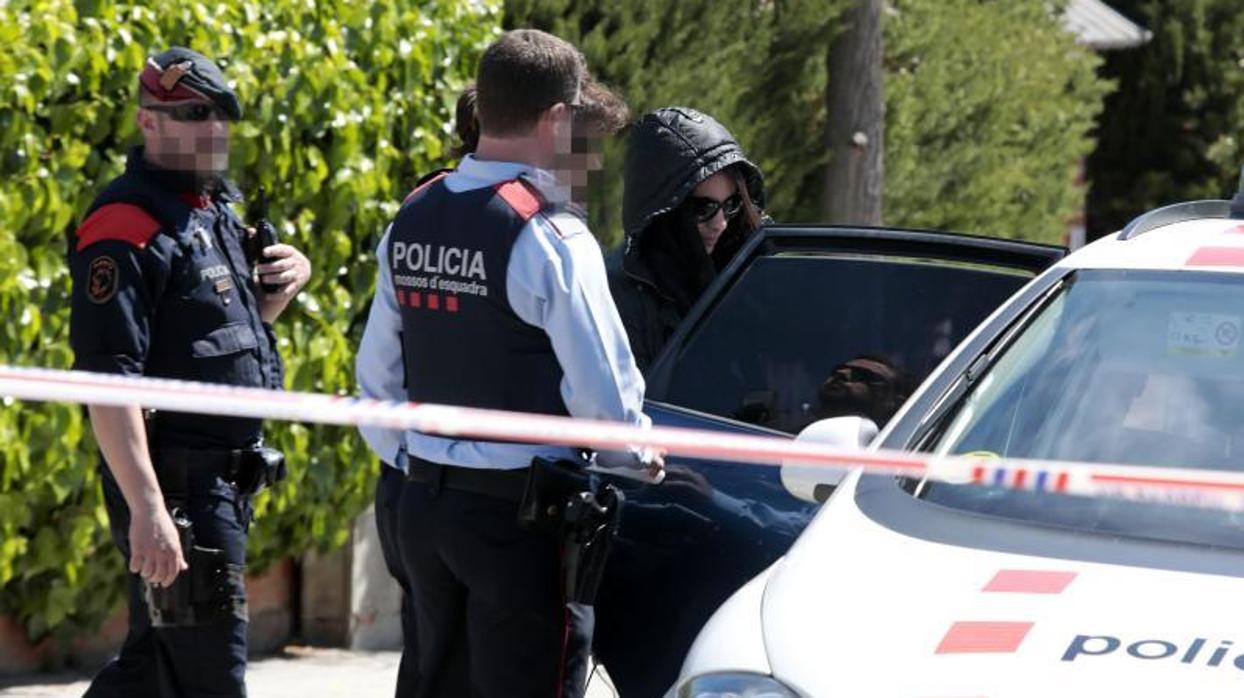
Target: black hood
{"type": "Point", "coordinates": [670, 152]}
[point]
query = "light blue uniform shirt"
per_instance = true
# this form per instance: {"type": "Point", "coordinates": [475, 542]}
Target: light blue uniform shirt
{"type": "Point", "coordinates": [556, 281]}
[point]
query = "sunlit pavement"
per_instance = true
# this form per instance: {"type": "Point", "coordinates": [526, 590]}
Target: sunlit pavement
{"type": "Point", "coordinates": [304, 672]}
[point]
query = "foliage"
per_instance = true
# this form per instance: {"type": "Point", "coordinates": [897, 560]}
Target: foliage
{"type": "Point", "coordinates": [1172, 131]}
{"type": "Point", "coordinates": [989, 103]}
{"type": "Point", "coordinates": [758, 67]}
{"type": "Point", "coordinates": [345, 104]}
{"type": "Point", "coordinates": [989, 109]}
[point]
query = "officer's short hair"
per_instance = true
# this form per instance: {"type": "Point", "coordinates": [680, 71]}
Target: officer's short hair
{"type": "Point", "coordinates": [521, 75]}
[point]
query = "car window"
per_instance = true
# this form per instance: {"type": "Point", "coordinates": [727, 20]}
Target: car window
{"type": "Point", "coordinates": [1121, 367]}
{"type": "Point", "coordinates": [801, 337]}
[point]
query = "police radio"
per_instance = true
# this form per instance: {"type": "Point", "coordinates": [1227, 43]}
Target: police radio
{"type": "Point", "coordinates": [264, 235]}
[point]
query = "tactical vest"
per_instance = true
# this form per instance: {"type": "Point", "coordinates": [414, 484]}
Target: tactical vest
{"type": "Point", "coordinates": [207, 326]}
{"type": "Point", "coordinates": [462, 342]}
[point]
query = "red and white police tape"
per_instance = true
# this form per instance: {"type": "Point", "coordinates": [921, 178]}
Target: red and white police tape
{"type": "Point", "coordinates": [1217, 489]}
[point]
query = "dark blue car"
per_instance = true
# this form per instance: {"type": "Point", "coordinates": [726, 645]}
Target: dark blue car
{"type": "Point", "coordinates": [806, 323]}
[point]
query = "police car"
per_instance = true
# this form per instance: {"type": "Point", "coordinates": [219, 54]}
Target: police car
{"type": "Point", "coordinates": [1127, 351]}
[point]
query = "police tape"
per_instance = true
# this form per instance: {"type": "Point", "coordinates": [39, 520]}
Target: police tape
{"type": "Point", "coordinates": [1216, 489]}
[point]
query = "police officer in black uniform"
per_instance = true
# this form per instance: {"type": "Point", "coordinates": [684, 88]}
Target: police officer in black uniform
{"type": "Point", "coordinates": [162, 286]}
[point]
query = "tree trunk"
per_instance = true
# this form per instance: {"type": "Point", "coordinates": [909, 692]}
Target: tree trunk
{"type": "Point", "coordinates": [855, 134]}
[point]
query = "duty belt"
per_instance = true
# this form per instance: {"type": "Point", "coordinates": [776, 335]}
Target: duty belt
{"type": "Point", "coordinates": [490, 482]}
{"type": "Point", "coordinates": [224, 462]}
{"type": "Point", "coordinates": [249, 469]}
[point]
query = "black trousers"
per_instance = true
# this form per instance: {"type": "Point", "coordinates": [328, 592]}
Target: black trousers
{"type": "Point", "coordinates": [194, 662]}
{"type": "Point", "coordinates": [388, 499]}
{"type": "Point", "coordinates": [488, 602]}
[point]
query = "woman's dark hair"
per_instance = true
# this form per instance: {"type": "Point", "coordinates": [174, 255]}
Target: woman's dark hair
{"type": "Point", "coordinates": [751, 213]}
{"type": "Point", "coordinates": [466, 124]}
{"type": "Point", "coordinates": [739, 228]}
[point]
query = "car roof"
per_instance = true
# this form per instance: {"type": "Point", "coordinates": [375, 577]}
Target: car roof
{"type": "Point", "coordinates": [1196, 244]}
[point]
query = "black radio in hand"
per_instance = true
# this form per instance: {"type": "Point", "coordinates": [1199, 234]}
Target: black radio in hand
{"type": "Point", "coordinates": [263, 236]}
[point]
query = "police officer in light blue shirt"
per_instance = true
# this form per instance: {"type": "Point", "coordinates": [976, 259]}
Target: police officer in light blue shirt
{"type": "Point", "coordinates": [554, 281]}
{"type": "Point", "coordinates": [493, 294]}
{"type": "Point", "coordinates": [392, 479]}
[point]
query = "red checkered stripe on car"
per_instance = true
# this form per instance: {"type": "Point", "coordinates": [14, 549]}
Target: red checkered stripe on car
{"type": "Point", "coordinates": [1002, 636]}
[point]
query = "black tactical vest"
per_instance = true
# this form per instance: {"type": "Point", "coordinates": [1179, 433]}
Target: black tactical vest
{"type": "Point", "coordinates": [462, 342]}
{"type": "Point", "coordinates": [207, 325]}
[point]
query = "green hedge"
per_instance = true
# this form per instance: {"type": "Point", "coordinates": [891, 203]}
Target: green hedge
{"type": "Point", "coordinates": [1173, 130]}
{"type": "Point", "coordinates": [346, 103]}
{"type": "Point", "coordinates": [989, 104]}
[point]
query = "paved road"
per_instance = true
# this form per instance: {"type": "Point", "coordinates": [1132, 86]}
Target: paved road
{"type": "Point", "coordinates": [300, 672]}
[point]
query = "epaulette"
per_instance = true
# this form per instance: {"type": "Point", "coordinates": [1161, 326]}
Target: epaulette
{"type": "Point", "coordinates": [521, 197]}
{"type": "Point", "coordinates": [125, 222]}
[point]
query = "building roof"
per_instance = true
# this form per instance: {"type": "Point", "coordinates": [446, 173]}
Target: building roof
{"type": "Point", "coordinates": [1099, 27]}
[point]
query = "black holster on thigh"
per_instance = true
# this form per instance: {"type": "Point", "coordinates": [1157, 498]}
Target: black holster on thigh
{"type": "Point", "coordinates": [591, 524]}
{"type": "Point", "coordinates": [563, 499]}
{"type": "Point", "coordinates": [211, 590]}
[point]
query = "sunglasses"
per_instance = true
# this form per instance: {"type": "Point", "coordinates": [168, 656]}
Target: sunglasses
{"type": "Point", "coordinates": [856, 374]}
{"type": "Point", "coordinates": [198, 111]}
{"type": "Point", "coordinates": [704, 208]}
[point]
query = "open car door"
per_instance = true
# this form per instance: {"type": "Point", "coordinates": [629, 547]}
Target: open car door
{"type": "Point", "coordinates": [805, 323]}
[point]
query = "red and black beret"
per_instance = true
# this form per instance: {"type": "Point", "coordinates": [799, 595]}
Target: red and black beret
{"type": "Point", "coordinates": [180, 74]}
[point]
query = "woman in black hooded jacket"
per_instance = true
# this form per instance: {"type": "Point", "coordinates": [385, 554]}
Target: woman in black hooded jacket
{"type": "Point", "coordinates": [690, 199]}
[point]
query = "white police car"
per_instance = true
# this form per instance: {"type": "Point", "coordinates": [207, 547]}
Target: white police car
{"type": "Point", "coordinates": [1127, 351]}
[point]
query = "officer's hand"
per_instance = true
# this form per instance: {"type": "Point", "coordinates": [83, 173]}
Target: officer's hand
{"type": "Point", "coordinates": [289, 269]}
{"type": "Point", "coordinates": [155, 551]}
{"type": "Point", "coordinates": [641, 464]}
{"type": "Point", "coordinates": [655, 462]}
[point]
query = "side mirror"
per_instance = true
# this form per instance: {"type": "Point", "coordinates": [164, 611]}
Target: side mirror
{"type": "Point", "coordinates": [816, 483]}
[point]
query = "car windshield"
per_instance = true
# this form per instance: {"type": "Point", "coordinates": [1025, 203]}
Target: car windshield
{"type": "Point", "coordinates": [1132, 367]}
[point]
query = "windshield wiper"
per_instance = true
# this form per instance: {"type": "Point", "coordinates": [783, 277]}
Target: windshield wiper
{"type": "Point", "coordinates": [954, 395]}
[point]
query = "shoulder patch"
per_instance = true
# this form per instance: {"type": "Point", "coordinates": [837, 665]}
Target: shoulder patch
{"type": "Point", "coordinates": [125, 222]}
{"type": "Point", "coordinates": [520, 197]}
{"type": "Point", "coordinates": [426, 182]}
{"type": "Point", "coordinates": [102, 279]}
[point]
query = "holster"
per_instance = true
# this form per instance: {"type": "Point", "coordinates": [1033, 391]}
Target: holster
{"type": "Point", "coordinates": [562, 499]}
{"type": "Point", "coordinates": [550, 486]}
{"type": "Point", "coordinates": [212, 589]}
{"type": "Point", "coordinates": [258, 468]}
{"type": "Point", "coordinates": [590, 526]}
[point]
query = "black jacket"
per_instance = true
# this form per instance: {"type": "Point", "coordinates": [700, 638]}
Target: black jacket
{"type": "Point", "coordinates": [661, 268]}
{"type": "Point", "coordinates": [162, 287]}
